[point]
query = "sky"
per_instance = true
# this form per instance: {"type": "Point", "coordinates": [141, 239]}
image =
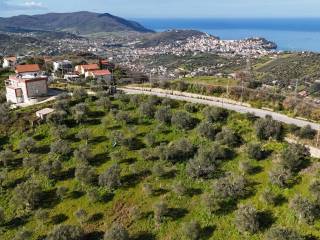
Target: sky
{"type": "Point", "coordinates": [169, 8]}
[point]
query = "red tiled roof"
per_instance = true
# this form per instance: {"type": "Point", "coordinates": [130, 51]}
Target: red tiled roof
{"type": "Point", "coordinates": [101, 72]}
{"type": "Point", "coordinates": [27, 68]}
{"type": "Point", "coordinates": [90, 67]}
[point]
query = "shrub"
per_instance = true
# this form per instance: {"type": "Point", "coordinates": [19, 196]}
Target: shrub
{"type": "Point", "coordinates": [111, 178]}
{"type": "Point", "coordinates": [148, 189]}
{"type": "Point", "coordinates": [314, 188]}
{"type": "Point", "coordinates": [42, 216]}
{"type": "Point", "coordinates": [281, 177]}
{"type": "Point", "coordinates": [116, 232]}
{"type": "Point", "coordinates": [81, 215]}
{"type": "Point", "coordinates": [255, 151]}
{"type": "Point", "coordinates": [104, 103]}
{"type": "Point", "coordinates": [158, 169]}
{"type": "Point", "coordinates": [214, 114]}
{"type": "Point", "coordinates": [306, 132]}
{"type": "Point", "coordinates": [247, 219]}
{"type": "Point", "coordinates": [179, 150]}
{"type": "Point", "coordinates": [124, 117]}
{"type": "Point", "coordinates": [62, 192]}
{"type": "Point", "coordinates": [93, 195]}
{"type": "Point", "coordinates": [32, 161]}
{"type": "Point", "coordinates": [208, 130]}
{"type": "Point", "coordinates": [212, 202]}
{"type": "Point", "coordinates": [160, 211]}
{"type": "Point", "coordinates": [151, 139]}
{"type": "Point", "coordinates": [80, 112]}
{"type": "Point", "coordinates": [294, 157]}
{"type": "Point", "coordinates": [305, 210]}
{"type": "Point", "coordinates": [23, 235]}
{"type": "Point", "coordinates": [51, 169]}
{"type": "Point", "coordinates": [179, 188]}
{"type": "Point", "coordinates": [268, 128]}
{"type": "Point", "coordinates": [2, 216]}
{"type": "Point", "coordinates": [183, 120]}
{"type": "Point", "coordinates": [192, 230]}
{"type": "Point", "coordinates": [191, 107]}
{"type": "Point", "coordinates": [164, 115]}
{"type": "Point", "coordinates": [63, 232]}
{"type": "Point", "coordinates": [280, 233]}
{"type": "Point", "coordinates": [79, 94]}
{"type": "Point", "coordinates": [268, 197]}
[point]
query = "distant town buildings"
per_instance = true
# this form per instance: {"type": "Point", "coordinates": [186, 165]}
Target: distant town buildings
{"type": "Point", "coordinates": [9, 62]}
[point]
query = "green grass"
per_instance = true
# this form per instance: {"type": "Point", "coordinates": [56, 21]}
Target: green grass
{"type": "Point", "coordinates": [209, 80]}
{"type": "Point", "coordinates": [120, 207]}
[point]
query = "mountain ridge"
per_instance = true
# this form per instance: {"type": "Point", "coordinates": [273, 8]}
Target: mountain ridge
{"type": "Point", "coordinates": [82, 23]}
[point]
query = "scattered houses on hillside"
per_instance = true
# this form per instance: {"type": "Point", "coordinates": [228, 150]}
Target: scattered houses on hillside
{"type": "Point", "coordinates": [9, 62]}
{"type": "Point", "coordinates": [27, 84]}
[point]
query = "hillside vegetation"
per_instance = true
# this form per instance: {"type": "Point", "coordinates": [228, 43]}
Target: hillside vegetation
{"type": "Point", "coordinates": [143, 168]}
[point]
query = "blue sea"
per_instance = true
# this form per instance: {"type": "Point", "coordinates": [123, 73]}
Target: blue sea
{"type": "Point", "coordinates": [288, 34]}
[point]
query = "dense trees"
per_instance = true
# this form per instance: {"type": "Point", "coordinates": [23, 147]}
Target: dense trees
{"type": "Point", "coordinates": [255, 151]}
{"type": "Point", "coordinates": [164, 114]}
{"type": "Point", "coordinates": [213, 114]}
{"type": "Point", "coordinates": [83, 154]}
{"type": "Point", "coordinates": [228, 137]}
{"type": "Point", "coordinates": [27, 144]}
{"type": "Point", "coordinates": [294, 157]}
{"type": "Point", "coordinates": [60, 147]}
{"type": "Point", "coordinates": [306, 132]}
{"type": "Point", "coordinates": [208, 130]}
{"type": "Point", "coordinates": [281, 177]}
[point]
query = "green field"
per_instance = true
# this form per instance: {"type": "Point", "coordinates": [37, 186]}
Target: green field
{"type": "Point", "coordinates": [209, 80]}
{"type": "Point", "coordinates": [137, 152]}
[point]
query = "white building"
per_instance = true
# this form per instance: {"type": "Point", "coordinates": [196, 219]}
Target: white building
{"type": "Point", "coordinates": [65, 66]}
{"type": "Point", "coordinates": [9, 62]}
{"type": "Point", "coordinates": [26, 85]}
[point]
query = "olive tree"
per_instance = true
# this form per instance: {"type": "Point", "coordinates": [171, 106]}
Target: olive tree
{"type": "Point", "coordinates": [281, 233]}
{"type": "Point", "coordinates": [2, 216]}
{"type": "Point", "coordinates": [179, 150]}
{"type": "Point", "coordinates": [85, 174]}
{"type": "Point", "coordinates": [63, 232]}
{"type": "Point", "coordinates": [116, 232]}
{"type": "Point", "coordinates": [80, 112]}
{"type": "Point", "coordinates": [84, 135]}
{"type": "Point", "coordinates": [281, 177]}
{"type": "Point", "coordinates": [294, 157]}
{"type": "Point", "coordinates": [268, 128]}
{"type": "Point", "coordinates": [305, 210]}
{"type": "Point", "coordinates": [27, 144]}
{"type": "Point", "coordinates": [214, 114]}
{"type": "Point", "coordinates": [208, 130]}
{"type": "Point", "coordinates": [6, 157]}
{"type": "Point", "coordinates": [111, 178]}
{"type": "Point", "coordinates": [27, 195]}
{"type": "Point", "coordinates": [83, 154]}
{"type": "Point", "coordinates": [183, 120]}
{"type": "Point", "coordinates": [60, 147]}
{"type": "Point", "coordinates": [255, 151]}
{"type": "Point", "coordinates": [192, 230]}
{"type": "Point", "coordinates": [164, 115]}
{"type": "Point", "coordinates": [247, 219]}
{"type": "Point", "coordinates": [160, 210]}
{"type": "Point", "coordinates": [228, 137]}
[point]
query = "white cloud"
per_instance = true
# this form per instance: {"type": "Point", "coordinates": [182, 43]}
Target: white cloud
{"type": "Point", "coordinates": [33, 4]}
{"type": "Point", "coordinates": [6, 6]}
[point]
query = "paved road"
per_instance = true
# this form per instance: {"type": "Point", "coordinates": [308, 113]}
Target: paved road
{"type": "Point", "coordinates": [234, 107]}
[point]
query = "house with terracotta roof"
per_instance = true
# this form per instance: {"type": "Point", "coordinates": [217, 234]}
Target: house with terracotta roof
{"type": "Point", "coordinates": [103, 75]}
{"type": "Point", "coordinates": [82, 69]}
{"type": "Point", "coordinates": [9, 62]}
{"type": "Point", "coordinates": [26, 85]}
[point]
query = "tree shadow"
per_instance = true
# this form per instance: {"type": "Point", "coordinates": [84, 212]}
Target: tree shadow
{"type": "Point", "coordinates": [96, 235]}
{"type": "Point", "coordinates": [170, 174]}
{"type": "Point", "coordinates": [39, 137]}
{"type": "Point", "coordinates": [144, 236]}
{"type": "Point", "coordinates": [44, 149]}
{"type": "Point", "coordinates": [107, 197]}
{"type": "Point", "coordinates": [129, 161]}
{"type": "Point", "coordinates": [160, 191]}
{"type": "Point", "coordinates": [256, 170]}
{"type": "Point", "coordinates": [17, 222]}
{"type": "Point", "coordinates": [59, 218]}
{"type": "Point", "coordinates": [100, 159]}
{"type": "Point", "coordinates": [77, 194]}
{"type": "Point", "coordinates": [194, 192]}
{"type": "Point", "coordinates": [98, 139]}
{"type": "Point", "coordinates": [207, 232]}
{"type": "Point", "coordinates": [65, 175]}
{"type": "Point", "coordinates": [96, 217]}
{"type": "Point", "coordinates": [177, 213]}
{"type": "Point", "coordinates": [132, 180]}
{"type": "Point", "coordinates": [280, 200]}
{"type": "Point", "coordinates": [266, 219]}
{"type": "Point", "coordinates": [49, 199]}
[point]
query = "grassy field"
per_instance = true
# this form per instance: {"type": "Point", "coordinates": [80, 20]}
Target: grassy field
{"type": "Point", "coordinates": [129, 205]}
{"type": "Point", "coordinates": [214, 81]}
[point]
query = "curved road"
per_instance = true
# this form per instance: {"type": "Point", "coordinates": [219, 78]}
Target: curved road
{"type": "Point", "coordinates": [220, 103]}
